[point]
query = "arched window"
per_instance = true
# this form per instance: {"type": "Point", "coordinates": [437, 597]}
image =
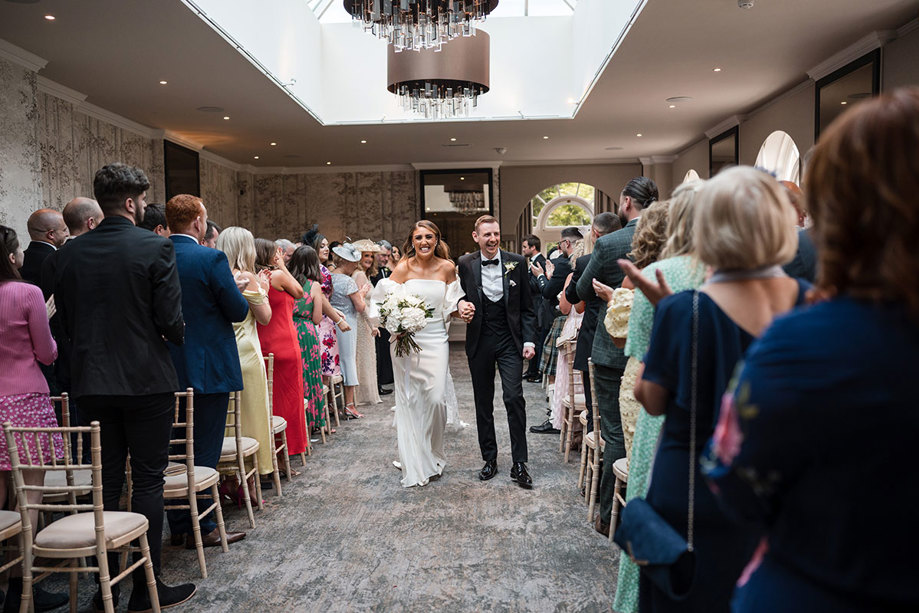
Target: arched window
{"type": "Point", "coordinates": [779, 155]}
{"type": "Point", "coordinates": [561, 206]}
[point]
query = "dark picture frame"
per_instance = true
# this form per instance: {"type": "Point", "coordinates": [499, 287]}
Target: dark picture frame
{"type": "Point", "coordinates": [182, 170]}
{"type": "Point", "coordinates": [872, 58]}
{"type": "Point", "coordinates": [712, 143]}
{"type": "Point", "coordinates": [455, 225]}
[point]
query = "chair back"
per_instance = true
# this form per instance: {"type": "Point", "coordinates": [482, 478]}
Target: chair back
{"type": "Point", "coordinates": [234, 419]}
{"type": "Point", "coordinates": [595, 412]}
{"type": "Point", "coordinates": [75, 441]}
{"type": "Point", "coordinates": [28, 448]}
{"type": "Point", "coordinates": [182, 441]}
{"type": "Point", "coordinates": [569, 357]}
{"type": "Point", "coordinates": [269, 374]}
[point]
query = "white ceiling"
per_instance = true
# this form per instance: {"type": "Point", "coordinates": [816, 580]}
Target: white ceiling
{"type": "Point", "coordinates": [117, 51]}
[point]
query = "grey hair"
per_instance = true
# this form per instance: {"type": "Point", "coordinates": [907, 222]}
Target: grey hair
{"type": "Point", "coordinates": [385, 244]}
{"type": "Point", "coordinates": [283, 243]}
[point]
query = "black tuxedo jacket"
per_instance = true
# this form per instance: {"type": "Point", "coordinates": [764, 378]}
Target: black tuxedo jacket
{"type": "Point", "coordinates": [592, 308]}
{"type": "Point", "coordinates": [521, 320]}
{"type": "Point", "coordinates": [34, 257]}
{"type": "Point", "coordinates": [382, 273]}
{"type": "Point", "coordinates": [544, 313]}
{"type": "Point", "coordinates": [118, 295]}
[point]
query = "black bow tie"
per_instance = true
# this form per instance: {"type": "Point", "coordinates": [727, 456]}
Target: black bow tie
{"type": "Point", "coordinates": [493, 262]}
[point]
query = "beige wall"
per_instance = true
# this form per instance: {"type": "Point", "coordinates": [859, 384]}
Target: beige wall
{"type": "Point", "coordinates": [901, 62]}
{"type": "Point", "coordinates": [520, 183]}
{"type": "Point", "coordinates": [792, 113]}
{"type": "Point", "coordinates": [694, 157]}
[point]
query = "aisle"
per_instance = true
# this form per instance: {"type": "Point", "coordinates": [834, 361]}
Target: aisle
{"type": "Point", "coordinates": [347, 537]}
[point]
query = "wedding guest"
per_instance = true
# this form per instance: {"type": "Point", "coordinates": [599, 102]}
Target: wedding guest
{"type": "Point", "coordinates": [211, 234]}
{"type": "Point", "coordinates": [804, 264]}
{"type": "Point", "coordinates": [744, 230]}
{"type": "Point", "coordinates": [368, 392]}
{"type": "Point", "coordinates": [545, 314]}
{"type": "Point", "coordinates": [682, 271]}
{"type": "Point", "coordinates": [609, 361]}
{"type": "Point", "coordinates": [155, 220]}
{"type": "Point", "coordinates": [308, 312]}
{"type": "Point", "coordinates": [287, 249]}
{"type": "Point", "coordinates": [348, 298]}
{"type": "Point", "coordinates": [24, 400]}
{"type": "Point", "coordinates": [118, 294]}
{"type": "Point", "coordinates": [384, 358]}
{"type": "Point", "coordinates": [837, 377]}
{"type": "Point", "coordinates": [208, 360]}
{"type": "Point", "coordinates": [48, 232]}
{"type": "Point", "coordinates": [239, 247]}
{"type": "Point", "coordinates": [328, 339]}
{"type": "Point", "coordinates": [395, 257]}
{"type": "Point", "coordinates": [279, 336]}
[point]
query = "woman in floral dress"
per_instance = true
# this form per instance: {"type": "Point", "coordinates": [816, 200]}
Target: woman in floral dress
{"type": "Point", "coordinates": [328, 340]}
{"type": "Point", "coordinates": [308, 313]}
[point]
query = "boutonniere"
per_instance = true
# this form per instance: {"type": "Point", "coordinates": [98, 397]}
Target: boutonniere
{"type": "Point", "coordinates": [509, 266]}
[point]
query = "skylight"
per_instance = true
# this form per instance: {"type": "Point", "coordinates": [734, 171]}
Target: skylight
{"type": "Point", "coordinates": [333, 11]}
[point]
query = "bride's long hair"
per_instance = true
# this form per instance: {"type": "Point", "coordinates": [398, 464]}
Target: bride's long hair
{"type": "Point", "coordinates": [441, 250]}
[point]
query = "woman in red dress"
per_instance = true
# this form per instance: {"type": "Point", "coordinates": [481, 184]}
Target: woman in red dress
{"type": "Point", "coordinates": [280, 338]}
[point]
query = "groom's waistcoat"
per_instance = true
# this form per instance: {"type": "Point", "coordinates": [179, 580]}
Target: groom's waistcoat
{"type": "Point", "coordinates": [494, 316]}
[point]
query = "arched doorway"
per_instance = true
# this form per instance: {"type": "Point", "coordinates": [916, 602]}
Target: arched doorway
{"type": "Point", "coordinates": [779, 155]}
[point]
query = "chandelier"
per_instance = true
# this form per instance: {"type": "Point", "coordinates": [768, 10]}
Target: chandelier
{"type": "Point", "coordinates": [419, 24]}
{"type": "Point", "coordinates": [441, 84]}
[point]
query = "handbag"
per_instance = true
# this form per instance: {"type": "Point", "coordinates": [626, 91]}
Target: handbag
{"type": "Point", "coordinates": [660, 552]}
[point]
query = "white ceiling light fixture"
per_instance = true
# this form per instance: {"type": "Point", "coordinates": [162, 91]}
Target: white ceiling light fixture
{"type": "Point", "coordinates": [419, 24]}
{"type": "Point", "coordinates": [49, 17]}
{"type": "Point", "coordinates": [363, 142]}
{"type": "Point", "coordinates": [273, 144]}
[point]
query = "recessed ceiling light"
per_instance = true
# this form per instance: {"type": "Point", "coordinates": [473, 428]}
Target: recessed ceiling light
{"type": "Point", "coordinates": [673, 106]}
{"type": "Point", "coordinates": [49, 17]}
{"type": "Point", "coordinates": [638, 135]}
{"type": "Point", "coordinates": [572, 101]}
{"type": "Point", "coordinates": [227, 117]}
{"type": "Point", "coordinates": [716, 69]}
{"type": "Point", "coordinates": [328, 163]}
{"type": "Point", "coordinates": [255, 157]}
{"type": "Point", "coordinates": [453, 140]}
{"type": "Point", "coordinates": [273, 144]}
{"type": "Point", "coordinates": [545, 138]}
{"type": "Point", "coordinates": [462, 178]}
{"type": "Point", "coordinates": [363, 142]}
{"type": "Point", "coordinates": [163, 82]}
{"type": "Point", "coordinates": [843, 102]}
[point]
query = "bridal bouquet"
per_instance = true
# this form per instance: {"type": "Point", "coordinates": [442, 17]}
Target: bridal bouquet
{"type": "Point", "coordinates": [403, 314]}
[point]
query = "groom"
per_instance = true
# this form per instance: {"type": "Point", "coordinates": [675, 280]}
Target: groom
{"type": "Point", "coordinates": [501, 331]}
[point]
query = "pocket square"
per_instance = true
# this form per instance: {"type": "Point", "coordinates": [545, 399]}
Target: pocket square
{"type": "Point", "coordinates": [513, 283]}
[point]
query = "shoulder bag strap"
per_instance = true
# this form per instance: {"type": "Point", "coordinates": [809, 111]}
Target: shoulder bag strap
{"type": "Point", "coordinates": [694, 366]}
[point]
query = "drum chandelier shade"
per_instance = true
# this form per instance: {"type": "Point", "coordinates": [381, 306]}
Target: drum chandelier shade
{"type": "Point", "coordinates": [419, 24]}
{"type": "Point", "coordinates": [441, 84]}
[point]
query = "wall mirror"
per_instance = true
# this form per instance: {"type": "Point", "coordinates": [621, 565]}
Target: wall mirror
{"type": "Point", "coordinates": [454, 199]}
{"type": "Point", "coordinates": [181, 170]}
{"type": "Point", "coordinates": [841, 90]}
{"type": "Point", "coordinates": [723, 151]}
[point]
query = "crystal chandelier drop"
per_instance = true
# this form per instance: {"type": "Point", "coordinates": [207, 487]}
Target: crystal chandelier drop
{"type": "Point", "coordinates": [419, 24]}
{"type": "Point", "coordinates": [441, 84]}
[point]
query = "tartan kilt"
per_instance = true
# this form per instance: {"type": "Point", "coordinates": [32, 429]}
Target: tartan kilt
{"type": "Point", "coordinates": [549, 350]}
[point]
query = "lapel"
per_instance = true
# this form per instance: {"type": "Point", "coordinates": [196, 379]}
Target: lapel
{"type": "Point", "coordinates": [477, 274]}
{"type": "Point", "coordinates": [505, 280]}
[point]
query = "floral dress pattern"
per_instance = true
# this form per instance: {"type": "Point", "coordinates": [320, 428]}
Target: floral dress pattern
{"type": "Point", "coordinates": [307, 335]}
{"type": "Point", "coordinates": [328, 340]}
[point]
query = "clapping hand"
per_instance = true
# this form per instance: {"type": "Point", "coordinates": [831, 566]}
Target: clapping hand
{"type": "Point", "coordinates": [537, 269]}
{"type": "Point", "coordinates": [654, 292]}
{"type": "Point", "coordinates": [550, 268]}
{"type": "Point", "coordinates": [604, 292]}
{"type": "Point", "coordinates": [241, 281]}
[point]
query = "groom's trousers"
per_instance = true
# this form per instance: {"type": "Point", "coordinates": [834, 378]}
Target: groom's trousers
{"type": "Point", "coordinates": [497, 349]}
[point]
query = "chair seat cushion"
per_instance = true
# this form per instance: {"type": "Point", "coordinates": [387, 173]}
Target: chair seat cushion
{"type": "Point", "coordinates": [228, 451]}
{"type": "Point", "coordinates": [336, 379]}
{"type": "Point", "coordinates": [579, 401]}
{"type": "Point", "coordinates": [590, 440]}
{"type": "Point", "coordinates": [621, 469]}
{"type": "Point", "coordinates": [174, 468]}
{"type": "Point", "coordinates": [8, 519]}
{"type": "Point", "coordinates": [76, 531]}
{"type": "Point", "coordinates": [180, 482]}
{"type": "Point", "coordinates": [278, 424]}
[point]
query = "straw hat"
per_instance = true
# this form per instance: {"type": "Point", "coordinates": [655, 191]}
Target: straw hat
{"type": "Point", "coordinates": [365, 244]}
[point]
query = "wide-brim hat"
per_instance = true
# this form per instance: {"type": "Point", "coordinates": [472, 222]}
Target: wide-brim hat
{"type": "Point", "coordinates": [365, 244]}
{"type": "Point", "coordinates": [347, 251]}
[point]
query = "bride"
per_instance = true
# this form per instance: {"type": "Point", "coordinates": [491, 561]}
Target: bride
{"type": "Point", "coordinates": [425, 270]}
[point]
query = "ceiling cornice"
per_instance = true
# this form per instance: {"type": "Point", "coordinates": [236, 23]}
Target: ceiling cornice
{"type": "Point", "coordinates": [57, 90]}
{"type": "Point", "coordinates": [327, 170]}
{"type": "Point", "coordinates": [458, 165]}
{"type": "Point", "coordinates": [907, 28]}
{"type": "Point", "coordinates": [864, 45]}
{"type": "Point", "coordinates": [724, 126]}
{"type": "Point", "coordinates": [593, 162]}
{"type": "Point", "coordinates": [21, 57]}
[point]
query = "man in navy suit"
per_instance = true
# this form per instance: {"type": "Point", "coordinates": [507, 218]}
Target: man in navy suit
{"type": "Point", "coordinates": [208, 362]}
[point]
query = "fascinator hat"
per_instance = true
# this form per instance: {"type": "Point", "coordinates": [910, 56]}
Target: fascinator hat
{"type": "Point", "coordinates": [348, 252]}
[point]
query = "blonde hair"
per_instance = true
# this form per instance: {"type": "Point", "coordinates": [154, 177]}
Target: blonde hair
{"type": "Point", "coordinates": [744, 221]}
{"type": "Point", "coordinates": [650, 234]}
{"type": "Point", "coordinates": [680, 223]}
{"type": "Point", "coordinates": [239, 245]}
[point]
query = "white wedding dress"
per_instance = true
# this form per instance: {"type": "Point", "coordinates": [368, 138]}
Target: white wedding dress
{"type": "Point", "coordinates": [421, 381]}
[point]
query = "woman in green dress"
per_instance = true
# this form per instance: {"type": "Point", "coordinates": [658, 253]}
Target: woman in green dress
{"type": "Point", "coordinates": [304, 266]}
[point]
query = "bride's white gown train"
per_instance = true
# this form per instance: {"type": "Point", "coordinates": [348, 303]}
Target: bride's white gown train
{"type": "Point", "coordinates": [421, 381]}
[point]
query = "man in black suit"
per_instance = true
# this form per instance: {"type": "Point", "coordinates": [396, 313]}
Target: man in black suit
{"type": "Point", "coordinates": [501, 332]}
{"type": "Point", "coordinates": [544, 314]}
{"type": "Point", "coordinates": [118, 294]}
{"type": "Point", "coordinates": [384, 358]}
{"type": "Point", "coordinates": [48, 232]}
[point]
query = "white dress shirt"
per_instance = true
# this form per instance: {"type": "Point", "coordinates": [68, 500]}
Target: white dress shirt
{"type": "Point", "coordinates": [493, 279]}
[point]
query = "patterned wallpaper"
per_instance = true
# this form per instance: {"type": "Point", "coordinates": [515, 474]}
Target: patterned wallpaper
{"type": "Point", "coordinates": [219, 191]}
{"type": "Point", "coordinates": [20, 178]}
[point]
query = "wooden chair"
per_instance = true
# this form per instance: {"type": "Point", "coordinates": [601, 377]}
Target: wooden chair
{"type": "Point", "coordinates": [278, 427]}
{"type": "Point", "coordinates": [337, 383]}
{"type": "Point", "coordinates": [325, 411]}
{"type": "Point", "coordinates": [62, 478]}
{"type": "Point", "coordinates": [236, 448]}
{"type": "Point", "coordinates": [621, 470]}
{"type": "Point", "coordinates": [571, 406]}
{"type": "Point", "coordinates": [196, 479]}
{"type": "Point", "coordinates": [591, 451]}
{"type": "Point", "coordinates": [89, 531]}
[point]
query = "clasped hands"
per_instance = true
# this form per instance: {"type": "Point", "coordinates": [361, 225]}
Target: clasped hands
{"type": "Point", "coordinates": [465, 310]}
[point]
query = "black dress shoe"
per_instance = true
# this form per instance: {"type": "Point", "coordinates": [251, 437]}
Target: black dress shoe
{"type": "Point", "coordinates": [383, 391]}
{"type": "Point", "coordinates": [212, 539]}
{"type": "Point", "coordinates": [489, 470]}
{"type": "Point", "coordinates": [520, 476]}
{"type": "Point", "coordinates": [534, 377]}
{"type": "Point", "coordinates": [168, 596]}
{"type": "Point", "coordinates": [545, 427]}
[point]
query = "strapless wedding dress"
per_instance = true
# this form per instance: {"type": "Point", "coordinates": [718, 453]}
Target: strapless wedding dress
{"type": "Point", "coordinates": [421, 381]}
